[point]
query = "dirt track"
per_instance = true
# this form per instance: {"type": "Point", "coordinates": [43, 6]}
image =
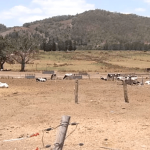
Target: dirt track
{"type": "Point", "coordinates": [105, 120]}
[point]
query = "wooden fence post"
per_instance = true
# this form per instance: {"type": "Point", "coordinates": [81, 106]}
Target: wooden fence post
{"type": "Point", "coordinates": [142, 81]}
{"type": "Point", "coordinates": [76, 91]}
{"type": "Point", "coordinates": [62, 133]}
{"type": "Point", "coordinates": [113, 77]}
{"type": "Point", "coordinates": [125, 91]}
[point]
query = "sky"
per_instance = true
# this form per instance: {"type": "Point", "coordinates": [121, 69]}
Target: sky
{"type": "Point", "coordinates": [17, 12]}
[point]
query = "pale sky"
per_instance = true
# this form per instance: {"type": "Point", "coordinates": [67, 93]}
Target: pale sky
{"type": "Point", "coordinates": [17, 12]}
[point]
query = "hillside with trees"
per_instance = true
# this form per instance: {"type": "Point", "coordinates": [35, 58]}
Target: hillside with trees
{"type": "Point", "coordinates": [2, 28]}
{"type": "Point", "coordinates": [91, 30]}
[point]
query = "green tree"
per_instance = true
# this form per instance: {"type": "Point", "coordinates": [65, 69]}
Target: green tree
{"type": "Point", "coordinates": [5, 51]}
{"type": "Point", "coordinates": [2, 52]}
{"type": "Point", "coordinates": [24, 48]}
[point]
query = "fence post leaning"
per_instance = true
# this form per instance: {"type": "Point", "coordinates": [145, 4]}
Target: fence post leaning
{"type": "Point", "coordinates": [62, 133]}
{"type": "Point", "coordinates": [76, 91]}
{"type": "Point", "coordinates": [125, 91]}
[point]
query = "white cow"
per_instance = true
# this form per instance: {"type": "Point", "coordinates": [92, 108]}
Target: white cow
{"type": "Point", "coordinates": [132, 77]}
{"type": "Point", "coordinates": [147, 82]}
{"type": "Point", "coordinates": [122, 78]}
{"type": "Point", "coordinates": [127, 78]}
{"type": "Point", "coordinates": [104, 78]}
{"type": "Point", "coordinates": [3, 85]}
{"type": "Point", "coordinates": [41, 79]}
{"type": "Point", "coordinates": [67, 75]}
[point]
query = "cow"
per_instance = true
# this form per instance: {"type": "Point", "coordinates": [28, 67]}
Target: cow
{"type": "Point", "coordinates": [112, 76]}
{"type": "Point", "coordinates": [4, 85]}
{"type": "Point", "coordinates": [41, 79]}
{"type": "Point", "coordinates": [103, 78]}
{"type": "Point", "coordinates": [53, 76]}
{"type": "Point", "coordinates": [67, 75]}
{"type": "Point", "coordinates": [147, 82]}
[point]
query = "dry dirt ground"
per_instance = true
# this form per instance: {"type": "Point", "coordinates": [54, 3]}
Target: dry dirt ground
{"type": "Point", "coordinates": [105, 120]}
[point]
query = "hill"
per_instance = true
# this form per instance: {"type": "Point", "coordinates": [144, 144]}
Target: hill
{"type": "Point", "coordinates": [94, 29]}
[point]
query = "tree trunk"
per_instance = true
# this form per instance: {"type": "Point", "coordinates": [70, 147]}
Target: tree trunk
{"type": "Point", "coordinates": [2, 64]}
{"type": "Point", "coordinates": [22, 66]}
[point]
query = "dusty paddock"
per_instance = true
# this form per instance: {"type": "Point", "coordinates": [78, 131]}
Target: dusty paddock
{"type": "Point", "coordinates": [105, 120]}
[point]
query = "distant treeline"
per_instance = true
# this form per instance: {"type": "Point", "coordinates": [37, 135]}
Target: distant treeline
{"type": "Point", "coordinates": [127, 46]}
{"type": "Point", "coordinates": [52, 45]}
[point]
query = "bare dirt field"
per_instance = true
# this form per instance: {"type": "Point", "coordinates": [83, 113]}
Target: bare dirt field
{"type": "Point", "coordinates": [105, 120]}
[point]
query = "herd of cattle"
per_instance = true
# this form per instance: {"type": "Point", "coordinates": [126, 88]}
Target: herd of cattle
{"type": "Point", "coordinates": [129, 79]}
{"type": "Point", "coordinates": [53, 76]}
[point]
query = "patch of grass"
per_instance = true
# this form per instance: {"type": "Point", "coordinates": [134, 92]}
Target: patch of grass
{"type": "Point", "coordinates": [88, 60]}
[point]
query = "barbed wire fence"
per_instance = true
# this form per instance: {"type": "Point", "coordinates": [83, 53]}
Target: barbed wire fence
{"type": "Point", "coordinates": [61, 137]}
